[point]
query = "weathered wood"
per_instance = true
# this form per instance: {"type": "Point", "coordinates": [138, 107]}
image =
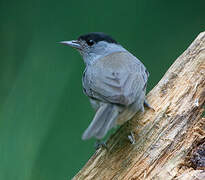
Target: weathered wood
{"type": "Point", "coordinates": [164, 137]}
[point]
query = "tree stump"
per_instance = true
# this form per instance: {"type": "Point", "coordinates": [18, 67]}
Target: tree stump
{"type": "Point", "coordinates": [170, 141]}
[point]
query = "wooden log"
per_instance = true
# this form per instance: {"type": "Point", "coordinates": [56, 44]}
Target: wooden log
{"type": "Point", "coordinates": [165, 138]}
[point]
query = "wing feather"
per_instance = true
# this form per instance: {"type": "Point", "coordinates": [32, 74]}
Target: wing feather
{"type": "Point", "coordinates": [121, 80]}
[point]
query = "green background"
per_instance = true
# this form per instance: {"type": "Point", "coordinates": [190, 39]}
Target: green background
{"type": "Point", "coordinates": [43, 111]}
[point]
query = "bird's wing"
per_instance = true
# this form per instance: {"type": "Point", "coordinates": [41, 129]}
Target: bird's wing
{"type": "Point", "coordinates": [118, 79]}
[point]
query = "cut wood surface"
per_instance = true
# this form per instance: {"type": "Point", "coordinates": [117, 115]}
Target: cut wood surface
{"type": "Point", "coordinates": [165, 138]}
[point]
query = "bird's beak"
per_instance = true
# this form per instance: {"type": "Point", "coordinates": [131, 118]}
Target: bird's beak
{"type": "Point", "coordinates": [74, 44]}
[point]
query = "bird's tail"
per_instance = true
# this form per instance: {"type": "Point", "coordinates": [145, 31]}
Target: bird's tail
{"type": "Point", "coordinates": [103, 121]}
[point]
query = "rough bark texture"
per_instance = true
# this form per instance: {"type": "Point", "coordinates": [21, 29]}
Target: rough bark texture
{"type": "Point", "coordinates": [167, 139]}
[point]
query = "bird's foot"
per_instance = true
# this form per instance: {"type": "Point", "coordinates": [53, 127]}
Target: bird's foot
{"type": "Point", "coordinates": [147, 105]}
{"type": "Point", "coordinates": [131, 137]}
{"type": "Point", "coordinates": [100, 144]}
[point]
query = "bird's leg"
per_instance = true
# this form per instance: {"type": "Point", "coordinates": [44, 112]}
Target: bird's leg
{"type": "Point", "coordinates": [99, 144]}
{"type": "Point", "coordinates": [131, 137]}
{"type": "Point", "coordinates": [147, 105]}
{"type": "Point", "coordinates": [130, 132]}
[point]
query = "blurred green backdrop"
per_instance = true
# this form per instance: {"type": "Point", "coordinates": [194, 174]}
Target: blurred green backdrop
{"type": "Point", "coordinates": [43, 111]}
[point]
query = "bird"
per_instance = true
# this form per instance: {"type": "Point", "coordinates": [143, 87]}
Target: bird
{"type": "Point", "coordinates": [114, 80]}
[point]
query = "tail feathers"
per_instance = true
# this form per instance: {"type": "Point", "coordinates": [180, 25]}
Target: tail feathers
{"type": "Point", "coordinates": [103, 121]}
{"type": "Point", "coordinates": [108, 124]}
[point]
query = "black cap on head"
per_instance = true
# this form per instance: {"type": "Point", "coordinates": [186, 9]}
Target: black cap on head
{"type": "Point", "coordinates": [96, 37]}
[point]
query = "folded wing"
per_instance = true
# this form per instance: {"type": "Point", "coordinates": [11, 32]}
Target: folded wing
{"type": "Point", "coordinates": [120, 79]}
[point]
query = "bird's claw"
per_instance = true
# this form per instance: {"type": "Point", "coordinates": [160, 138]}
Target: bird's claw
{"type": "Point", "coordinates": [131, 137]}
{"type": "Point", "coordinates": [100, 144]}
{"type": "Point", "coordinates": [147, 105]}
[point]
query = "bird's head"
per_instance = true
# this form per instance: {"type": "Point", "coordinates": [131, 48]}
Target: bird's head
{"type": "Point", "coordinates": [94, 45]}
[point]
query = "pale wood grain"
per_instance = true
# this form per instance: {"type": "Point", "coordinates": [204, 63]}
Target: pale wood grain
{"type": "Point", "coordinates": [164, 138]}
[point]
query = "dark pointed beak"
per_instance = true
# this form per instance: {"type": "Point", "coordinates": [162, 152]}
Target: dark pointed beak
{"type": "Point", "coordinates": [74, 44]}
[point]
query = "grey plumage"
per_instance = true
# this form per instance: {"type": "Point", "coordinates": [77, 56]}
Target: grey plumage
{"type": "Point", "coordinates": [103, 121]}
{"type": "Point", "coordinates": [119, 81]}
{"type": "Point", "coordinates": [114, 80]}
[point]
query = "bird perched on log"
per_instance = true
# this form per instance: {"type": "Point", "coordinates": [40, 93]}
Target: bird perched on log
{"type": "Point", "coordinates": [114, 80]}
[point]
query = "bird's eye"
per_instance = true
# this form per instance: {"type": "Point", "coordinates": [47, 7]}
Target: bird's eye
{"type": "Point", "coordinates": [90, 42]}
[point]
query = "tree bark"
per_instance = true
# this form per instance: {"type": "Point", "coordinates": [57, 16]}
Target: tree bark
{"type": "Point", "coordinates": [167, 139]}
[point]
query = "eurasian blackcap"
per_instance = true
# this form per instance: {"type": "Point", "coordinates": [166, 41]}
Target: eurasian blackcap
{"type": "Point", "coordinates": [114, 80]}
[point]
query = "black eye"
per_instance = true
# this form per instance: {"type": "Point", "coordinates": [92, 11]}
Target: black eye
{"type": "Point", "coordinates": [90, 42]}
